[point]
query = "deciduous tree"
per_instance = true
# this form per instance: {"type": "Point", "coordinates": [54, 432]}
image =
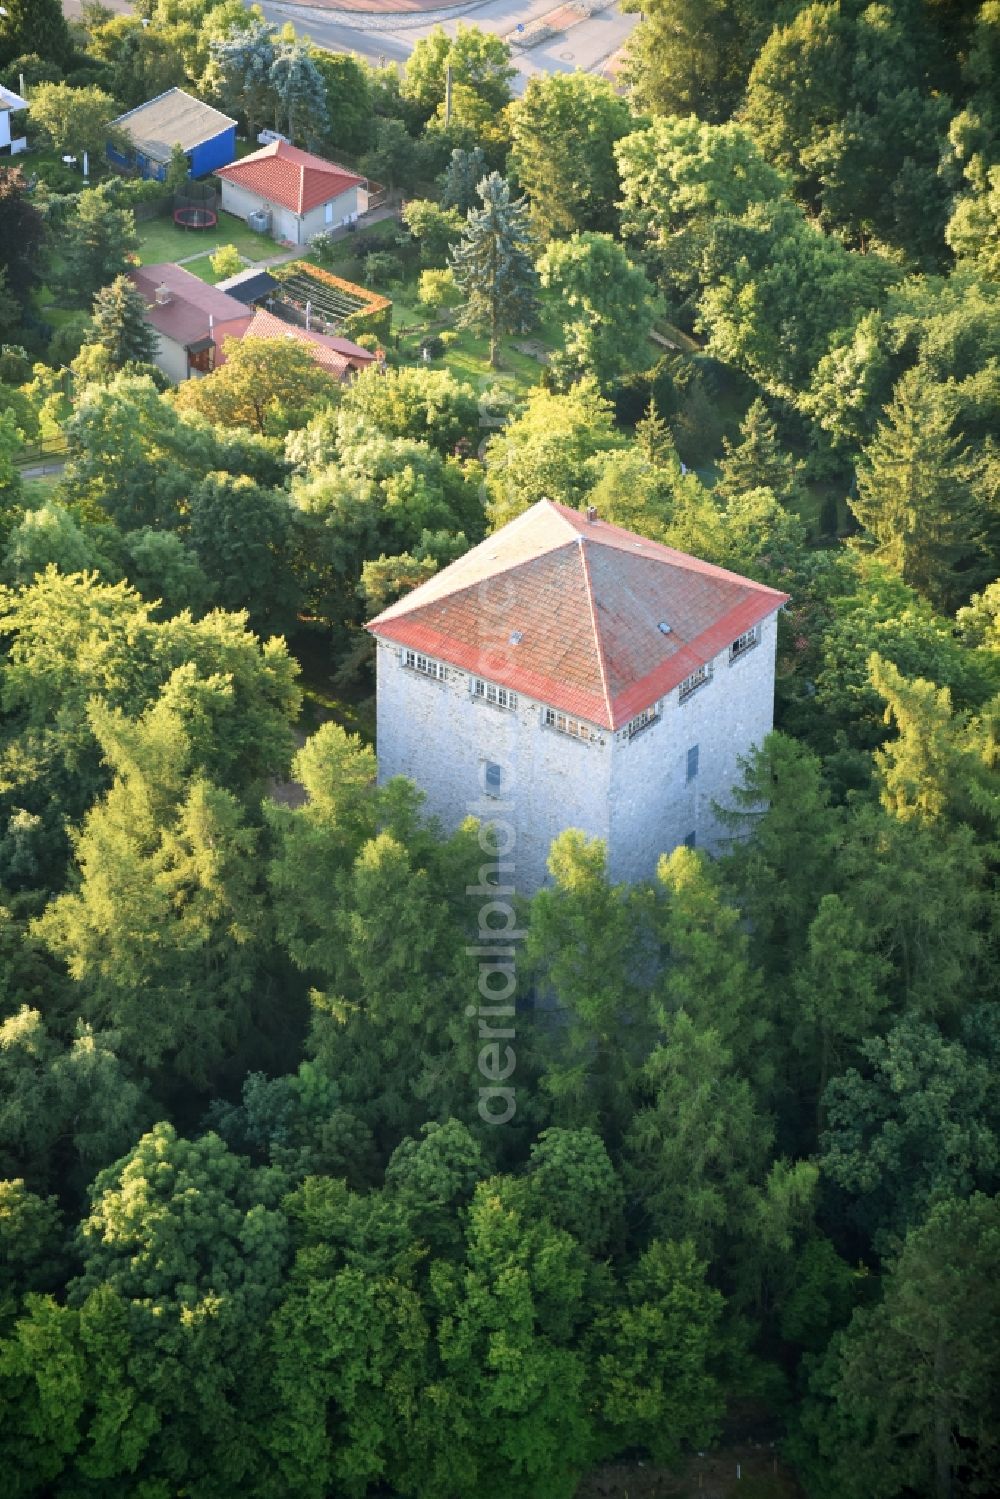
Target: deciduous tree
{"type": "Point", "coordinates": [563, 132]}
{"type": "Point", "coordinates": [606, 303]}
{"type": "Point", "coordinates": [266, 384]}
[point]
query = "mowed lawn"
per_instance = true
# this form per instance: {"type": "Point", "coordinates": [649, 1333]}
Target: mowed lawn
{"type": "Point", "coordinates": [468, 357]}
{"type": "Point", "coordinates": [162, 241]}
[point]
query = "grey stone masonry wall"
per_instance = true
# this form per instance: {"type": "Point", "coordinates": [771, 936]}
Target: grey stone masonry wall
{"type": "Point", "coordinates": [637, 794]}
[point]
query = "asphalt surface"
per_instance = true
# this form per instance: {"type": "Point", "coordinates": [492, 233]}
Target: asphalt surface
{"type": "Point", "coordinates": [389, 39]}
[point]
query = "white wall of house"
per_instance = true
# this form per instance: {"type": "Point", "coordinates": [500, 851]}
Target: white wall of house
{"type": "Point", "coordinates": [334, 214]}
{"type": "Point", "coordinates": [634, 794]}
{"type": "Point", "coordinates": [285, 224]}
{"type": "Point", "coordinates": [171, 357]}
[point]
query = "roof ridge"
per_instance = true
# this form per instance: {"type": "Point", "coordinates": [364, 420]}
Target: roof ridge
{"type": "Point", "coordinates": [498, 571]}
{"type": "Point", "coordinates": [474, 583]}
{"type": "Point", "coordinates": [599, 643]}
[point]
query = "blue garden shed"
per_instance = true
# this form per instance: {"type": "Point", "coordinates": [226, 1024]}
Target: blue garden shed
{"type": "Point", "coordinates": [205, 135]}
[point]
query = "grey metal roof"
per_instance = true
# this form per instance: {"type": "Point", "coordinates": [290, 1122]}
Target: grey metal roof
{"type": "Point", "coordinates": [172, 119]}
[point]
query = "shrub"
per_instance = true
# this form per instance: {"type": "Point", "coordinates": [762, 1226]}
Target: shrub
{"type": "Point", "coordinates": [69, 338]}
{"type": "Point", "coordinates": [437, 289]}
{"type": "Point", "coordinates": [381, 265]}
{"type": "Point", "coordinates": [227, 261]}
{"type": "Point", "coordinates": [323, 249]}
{"type": "Point", "coordinates": [432, 347]}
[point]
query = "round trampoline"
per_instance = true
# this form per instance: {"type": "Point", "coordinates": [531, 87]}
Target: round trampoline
{"type": "Point", "coordinates": [195, 218]}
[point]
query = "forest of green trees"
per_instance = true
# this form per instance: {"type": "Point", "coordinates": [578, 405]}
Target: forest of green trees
{"type": "Point", "coordinates": [256, 1240]}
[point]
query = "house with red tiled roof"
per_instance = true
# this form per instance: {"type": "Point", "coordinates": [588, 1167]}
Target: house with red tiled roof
{"type": "Point", "coordinates": [301, 194]}
{"type": "Point", "coordinates": [566, 673]}
{"type": "Point", "coordinates": [338, 356]}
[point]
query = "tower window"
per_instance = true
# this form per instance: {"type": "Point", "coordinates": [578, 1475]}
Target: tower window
{"type": "Point", "coordinates": [426, 665]}
{"type": "Point", "coordinates": [641, 721]}
{"type": "Point", "coordinates": [489, 692]}
{"type": "Point", "coordinates": [565, 725]}
{"type": "Point", "coordinates": [493, 777]}
{"type": "Point", "coordinates": [691, 684]}
{"type": "Point", "coordinates": [691, 840]}
{"type": "Point", "coordinates": [692, 769]}
{"type": "Point", "coordinates": [744, 643]}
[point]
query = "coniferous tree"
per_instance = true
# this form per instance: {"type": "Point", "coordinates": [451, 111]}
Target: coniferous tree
{"type": "Point", "coordinates": [96, 242]}
{"type": "Point", "coordinates": [756, 461]}
{"type": "Point", "coordinates": [463, 172]}
{"type": "Point", "coordinates": [37, 27]}
{"type": "Point", "coordinates": [915, 492]}
{"type": "Point", "coordinates": [244, 61]}
{"type": "Point", "coordinates": [652, 434]}
{"type": "Point", "coordinates": [300, 93]}
{"type": "Point", "coordinates": [120, 326]}
{"type": "Point", "coordinates": [493, 264]}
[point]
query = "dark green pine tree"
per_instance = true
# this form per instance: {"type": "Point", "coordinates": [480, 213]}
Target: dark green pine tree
{"type": "Point", "coordinates": [493, 265]}
{"type": "Point", "coordinates": [37, 27]}
{"type": "Point", "coordinates": [120, 325]}
{"type": "Point", "coordinates": [757, 460]}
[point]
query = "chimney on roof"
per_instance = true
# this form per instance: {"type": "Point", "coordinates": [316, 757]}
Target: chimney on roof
{"type": "Point", "coordinates": [211, 322]}
{"type": "Point", "coordinates": [162, 295]}
{"type": "Point", "coordinates": [592, 513]}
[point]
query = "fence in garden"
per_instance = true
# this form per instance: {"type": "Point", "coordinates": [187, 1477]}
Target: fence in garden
{"type": "Point", "coordinates": [37, 454]}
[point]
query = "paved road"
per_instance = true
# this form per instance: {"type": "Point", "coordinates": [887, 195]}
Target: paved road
{"type": "Point", "coordinates": [587, 45]}
{"type": "Point", "coordinates": [73, 9]}
{"type": "Point", "coordinates": [391, 38]}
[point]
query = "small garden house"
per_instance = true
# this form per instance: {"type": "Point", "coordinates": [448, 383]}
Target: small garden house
{"type": "Point", "coordinates": [205, 135]}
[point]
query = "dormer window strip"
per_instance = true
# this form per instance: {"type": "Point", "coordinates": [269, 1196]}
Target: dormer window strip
{"type": "Point", "coordinates": [498, 697]}
{"type": "Point", "coordinates": [426, 665]}
{"type": "Point", "coordinates": [691, 684]}
{"type": "Point", "coordinates": [744, 643]}
{"type": "Point", "coordinates": [643, 720]}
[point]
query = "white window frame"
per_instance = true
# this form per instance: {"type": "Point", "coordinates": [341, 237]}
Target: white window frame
{"type": "Point", "coordinates": [563, 723]}
{"type": "Point", "coordinates": [744, 643]}
{"type": "Point", "coordinates": [497, 697]}
{"type": "Point", "coordinates": [643, 720]}
{"type": "Point", "coordinates": [425, 665]}
{"type": "Point", "coordinates": [690, 685]}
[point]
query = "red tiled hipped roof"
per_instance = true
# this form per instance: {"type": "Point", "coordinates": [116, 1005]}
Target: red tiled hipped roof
{"type": "Point", "coordinates": [568, 611]}
{"type": "Point", "coordinates": [338, 355]}
{"type": "Point", "coordinates": [291, 178]}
